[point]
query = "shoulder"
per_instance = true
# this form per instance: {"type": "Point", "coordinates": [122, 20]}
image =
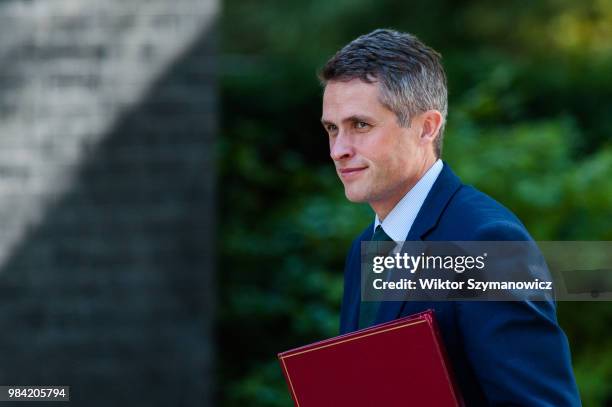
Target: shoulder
{"type": "Point", "coordinates": [365, 235]}
{"type": "Point", "coordinates": [474, 215]}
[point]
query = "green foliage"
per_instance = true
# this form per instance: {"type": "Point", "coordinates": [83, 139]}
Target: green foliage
{"type": "Point", "coordinates": [530, 92]}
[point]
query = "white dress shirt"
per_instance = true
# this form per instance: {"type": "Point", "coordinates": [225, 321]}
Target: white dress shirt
{"type": "Point", "coordinates": [398, 222]}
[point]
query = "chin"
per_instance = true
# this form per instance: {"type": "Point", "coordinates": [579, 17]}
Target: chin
{"type": "Point", "coordinates": [355, 196]}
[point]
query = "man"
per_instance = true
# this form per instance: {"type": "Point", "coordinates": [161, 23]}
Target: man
{"type": "Point", "coordinates": [384, 109]}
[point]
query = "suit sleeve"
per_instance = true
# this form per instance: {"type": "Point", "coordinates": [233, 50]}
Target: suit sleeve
{"type": "Point", "coordinates": [517, 349]}
{"type": "Point", "coordinates": [347, 317]}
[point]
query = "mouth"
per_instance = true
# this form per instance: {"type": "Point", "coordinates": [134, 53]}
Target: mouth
{"type": "Point", "coordinates": [351, 172]}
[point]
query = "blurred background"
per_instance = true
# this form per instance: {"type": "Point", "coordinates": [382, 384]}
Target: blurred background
{"type": "Point", "coordinates": [171, 219]}
{"type": "Point", "coordinates": [108, 111]}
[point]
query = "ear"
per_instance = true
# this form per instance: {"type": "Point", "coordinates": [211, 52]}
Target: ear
{"type": "Point", "coordinates": [431, 121]}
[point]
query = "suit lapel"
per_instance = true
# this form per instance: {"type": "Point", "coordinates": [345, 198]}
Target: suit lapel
{"type": "Point", "coordinates": [438, 198]}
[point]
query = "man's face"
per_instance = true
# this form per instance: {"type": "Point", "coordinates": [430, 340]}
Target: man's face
{"type": "Point", "coordinates": [377, 160]}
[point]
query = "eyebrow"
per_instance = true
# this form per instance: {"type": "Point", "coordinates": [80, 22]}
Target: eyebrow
{"type": "Point", "coordinates": [352, 119]}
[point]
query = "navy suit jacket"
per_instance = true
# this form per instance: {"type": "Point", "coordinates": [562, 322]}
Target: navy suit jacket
{"type": "Point", "coordinates": [502, 353]}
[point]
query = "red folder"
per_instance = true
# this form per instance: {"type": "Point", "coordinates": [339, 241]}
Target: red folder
{"type": "Point", "coordinates": [398, 363]}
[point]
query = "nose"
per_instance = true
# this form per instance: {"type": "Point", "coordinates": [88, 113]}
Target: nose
{"type": "Point", "coordinates": [340, 148]}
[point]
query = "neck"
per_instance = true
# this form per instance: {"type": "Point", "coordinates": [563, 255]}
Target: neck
{"type": "Point", "coordinates": [384, 206]}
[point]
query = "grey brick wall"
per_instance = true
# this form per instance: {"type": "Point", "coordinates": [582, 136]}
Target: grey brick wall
{"type": "Point", "coordinates": [107, 119]}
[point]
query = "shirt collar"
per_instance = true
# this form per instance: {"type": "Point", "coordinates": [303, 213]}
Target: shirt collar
{"type": "Point", "coordinates": [398, 222]}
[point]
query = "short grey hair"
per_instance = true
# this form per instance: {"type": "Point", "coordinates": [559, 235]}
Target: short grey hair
{"type": "Point", "coordinates": [411, 76]}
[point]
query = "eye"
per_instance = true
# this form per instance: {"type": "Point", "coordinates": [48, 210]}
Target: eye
{"type": "Point", "coordinates": [331, 128]}
{"type": "Point", "coordinates": [361, 125]}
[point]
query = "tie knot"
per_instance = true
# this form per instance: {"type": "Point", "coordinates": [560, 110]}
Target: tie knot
{"type": "Point", "coordinates": [380, 235]}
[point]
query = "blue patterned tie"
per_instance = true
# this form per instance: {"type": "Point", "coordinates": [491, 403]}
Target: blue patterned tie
{"type": "Point", "coordinates": [367, 309]}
